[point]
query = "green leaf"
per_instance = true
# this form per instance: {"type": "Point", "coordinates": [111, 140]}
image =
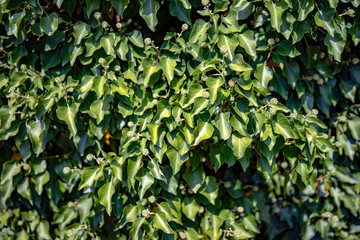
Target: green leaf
{"type": "Point", "coordinates": [163, 111]}
{"type": "Point", "coordinates": [86, 83]}
{"type": "Point", "coordinates": [335, 46]}
{"type": "Point", "coordinates": [222, 123]}
{"type": "Point", "coordinates": [177, 9]}
{"type": "Point", "coordinates": [81, 30]}
{"type": "Point", "coordinates": [160, 222]}
{"type": "Point", "coordinates": [239, 65]}
{"type": "Point", "coordinates": [130, 214]}
{"type": "Point", "coordinates": [120, 6]}
{"type": "Point", "coordinates": [146, 181]}
{"type": "Point", "coordinates": [190, 208]}
{"type": "Point", "coordinates": [8, 171]}
{"type": "Point", "coordinates": [148, 10]}
{"type": "Point", "coordinates": [291, 72]}
{"type": "Point", "coordinates": [91, 5]}
{"type": "Point", "coordinates": [305, 7]}
{"type": "Point", "coordinates": [214, 84]}
{"type": "Point", "coordinates": [36, 130]}
{"type": "Point", "coordinates": [68, 114]}
{"type": "Point", "coordinates": [230, 42]}
{"type": "Point", "coordinates": [40, 181]}
{"type": "Point", "coordinates": [248, 42]}
{"type": "Point", "coordinates": [276, 11]}
{"type": "Point", "coordinates": [239, 144]}
{"type": "Point", "coordinates": [203, 131]}
{"type": "Point", "coordinates": [199, 29]}
{"type": "Point", "coordinates": [282, 126]}
{"type": "Point", "coordinates": [210, 189]}
{"type": "Point", "coordinates": [168, 66]}
{"type": "Point", "coordinates": [150, 67]}
{"type": "Point", "coordinates": [105, 195]}
{"type": "Point", "coordinates": [195, 178]}
{"type": "Point", "coordinates": [84, 204]}
{"type": "Point", "coordinates": [98, 86]}
{"type": "Point", "coordinates": [325, 20]}
{"type": "Point", "coordinates": [49, 24]}
{"type": "Point", "coordinates": [176, 160]}
{"type": "Point", "coordinates": [74, 52]}
{"type": "Point", "coordinates": [88, 176]}
{"type": "Point", "coordinates": [136, 38]}
{"type": "Point", "coordinates": [354, 126]}
{"type": "Point", "coordinates": [264, 74]}
{"type": "Point", "coordinates": [195, 91]}
{"type": "Point", "coordinates": [98, 109]}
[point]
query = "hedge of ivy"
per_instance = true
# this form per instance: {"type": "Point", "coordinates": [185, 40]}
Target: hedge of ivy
{"type": "Point", "coordinates": [179, 119]}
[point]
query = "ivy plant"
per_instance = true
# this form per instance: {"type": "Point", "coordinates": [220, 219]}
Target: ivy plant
{"type": "Point", "coordinates": [179, 119]}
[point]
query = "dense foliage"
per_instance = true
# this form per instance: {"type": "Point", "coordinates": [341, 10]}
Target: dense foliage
{"type": "Point", "coordinates": [179, 119]}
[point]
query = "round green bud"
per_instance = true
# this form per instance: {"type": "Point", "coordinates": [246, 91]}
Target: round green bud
{"type": "Point", "coordinates": [151, 199]}
{"type": "Point", "coordinates": [237, 233]}
{"type": "Point", "coordinates": [69, 233]}
{"type": "Point", "coordinates": [130, 124]}
{"type": "Point", "coordinates": [271, 88]}
{"type": "Point", "coordinates": [206, 95]}
{"type": "Point", "coordinates": [141, 68]}
{"type": "Point", "coordinates": [337, 144]}
{"type": "Point", "coordinates": [66, 170]}
{"type": "Point", "coordinates": [203, 44]}
{"type": "Point", "coordinates": [101, 61]}
{"type": "Point", "coordinates": [117, 68]}
{"type": "Point", "coordinates": [203, 159]}
{"type": "Point", "coordinates": [201, 210]}
{"type": "Point", "coordinates": [104, 24]}
{"type": "Point", "coordinates": [17, 169]}
{"type": "Point", "coordinates": [23, 67]}
{"type": "Point", "coordinates": [178, 120]}
{"type": "Point", "coordinates": [130, 134]}
{"type": "Point", "coordinates": [227, 184]}
{"type": "Point", "coordinates": [97, 15]}
{"type": "Point", "coordinates": [274, 101]}
{"type": "Point", "coordinates": [182, 235]}
{"type": "Point", "coordinates": [350, 11]}
{"type": "Point", "coordinates": [335, 218]}
{"type": "Point", "coordinates": [190, 191]}
{"type": "Point", "coordinates": [147, 41]}
{"type": "Point", "coordinates": [292, 115]}
{"type": "Point", "coordinates": [155, 101]}
{"type": "Point", "coordinates": [325, 136]}
{"type": "Point", "coordinates": [26, 166]}
{"type": "Point", "coordinates": [184, 27]}
{"type": "Point", "coordinates": [205, 2]}
{"type": "Point", "coordinates": [145, 213]}
{"type": "Point", "coordinates": [20, 222]}
{"type": "Point", "coordinates": [256, 188]}
{"type": "Point", "coordinates": [284, 164]}
{"type": "Point", "coordinates": [90, 157]}
{"type": "Point", "coordinates": [145, 152]}
{"type": "Point", "coordinates": [344, 234]}
{"type": "Point", "coordinates": [271, 41]}
{"type": "Point", "coordinates": [277, 40]}
{"type": "Point", "coordinates": [322, 55]}
{"type": "Point", "coordinates": [314, 112]}
{"type": "Point", "coordinates": [316, 77]}
{"type": "Point", "coordinates": [231, 83]}
{"type": "Point", "coordinates": [118, 25]}
{"type": "Point", "coordinates": [223, 50]}
{"type": "Point", "coordinates": [355, 61]}
{"type": "Point", "coordinates": [240, 209]}
{"type": "Point", "coordinates": [272, 111]}
{"type": "Point", "coordinates": [320, 81]}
